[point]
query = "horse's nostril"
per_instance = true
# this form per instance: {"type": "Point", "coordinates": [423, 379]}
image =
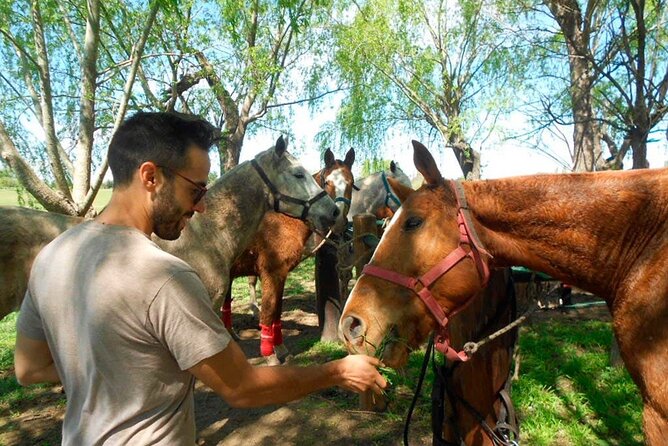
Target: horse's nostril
{"type": "Point", "coordinates": [337, 211]}
{"type": "Point", "coordinates": [353, 330]}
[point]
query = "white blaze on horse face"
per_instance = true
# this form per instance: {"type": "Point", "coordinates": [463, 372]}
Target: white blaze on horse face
{"type": "Point", "coordinates": [338, 179]}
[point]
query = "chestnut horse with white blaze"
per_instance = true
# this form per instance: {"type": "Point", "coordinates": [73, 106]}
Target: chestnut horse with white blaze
{"type": "Point", "coordinates": [278, 247]}
{"type": "Point", "coordinates": [604, 232]}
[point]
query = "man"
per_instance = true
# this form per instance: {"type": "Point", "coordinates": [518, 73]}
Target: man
{"type": "Point", "coordinates": [127, 327]}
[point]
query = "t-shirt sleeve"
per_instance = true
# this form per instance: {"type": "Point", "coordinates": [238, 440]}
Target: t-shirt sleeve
{"type": "Point", "coordinates": [29, 322]}
{"type": "Point", "coordinates": [183, 320]}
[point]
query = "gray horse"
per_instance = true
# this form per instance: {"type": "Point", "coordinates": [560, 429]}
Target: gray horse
{"type": "Point", "coordinates": [374, 195]}
{"type": "Point", "coordinates": [236, 204]}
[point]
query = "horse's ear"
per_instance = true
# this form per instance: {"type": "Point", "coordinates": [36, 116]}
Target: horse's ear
{"type": "Point", "coordinates": [393, 167]}
{"type": "Point", "coordinates": [350, 158]}
{"type": "Point", "coordinates": [280, 146]}
{"type": "Point", "coordinates": [400, 189]}
{"type": "Point", "coordinates": [329, 158]}
{"type": "Point", "coordinates": [426, 165]}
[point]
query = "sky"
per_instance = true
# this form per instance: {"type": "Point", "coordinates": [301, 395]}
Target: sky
{"type": "Point", "coordinates": [498, 159]}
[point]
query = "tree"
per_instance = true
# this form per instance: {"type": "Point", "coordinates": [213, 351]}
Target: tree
{"type": "Point", "coordinates": [618, 76]}
{"type": "Point", "coordinates": [252, 56]}
{"type": "Point", "coordinates": [425, 66]}
{"type": "Point", "coordinates": [67, 76]}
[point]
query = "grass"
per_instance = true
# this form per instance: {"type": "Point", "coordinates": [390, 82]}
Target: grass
{"type": "Point", "coordinates": [567, 395]}
{"type": "Point", "coordinates": [11, 197]}
{"type": "Point", "coordinates": [12, 395]}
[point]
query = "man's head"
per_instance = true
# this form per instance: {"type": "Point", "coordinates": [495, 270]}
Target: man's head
{"type": "Point", "coordinates": [166, 156]}
{"type": "Point", "coordinates": [163, 138]}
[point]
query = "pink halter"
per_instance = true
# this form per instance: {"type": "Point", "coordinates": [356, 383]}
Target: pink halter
{"type": "Point", "coordinates": [420, 285]}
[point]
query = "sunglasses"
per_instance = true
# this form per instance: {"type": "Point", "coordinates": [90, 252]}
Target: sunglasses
{"type": "Point", "coordinates": [201, 190]}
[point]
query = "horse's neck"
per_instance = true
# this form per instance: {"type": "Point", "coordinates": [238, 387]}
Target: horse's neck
{"type": "Point", "coordinates": [370, 196]}
{"type": "Point", "coordinates": [589, 230]}
{"type": "Point", "coordinates": [235, 206]}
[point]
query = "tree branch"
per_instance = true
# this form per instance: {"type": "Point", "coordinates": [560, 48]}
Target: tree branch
{"type": "Point", "coordinates": [81, 180]}
{"type": "Point", "coordinates": [46, 102]}
{"type": "Point", "coordinates": [51, 200]}
{"type": "Point", "coordinates": [137, 51]}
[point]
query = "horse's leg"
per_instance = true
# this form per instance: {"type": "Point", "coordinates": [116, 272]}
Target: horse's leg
{"type": "Point", "coordinates": [252, 291]}
{"type": "Point", "coordinates": [271, 342]}
{"type": "Point", "coordinates": [653, 369]}
{"type": "Point", "coordinates": [226, 308]}
{"type": "Point", "coordinates": [642, 333]}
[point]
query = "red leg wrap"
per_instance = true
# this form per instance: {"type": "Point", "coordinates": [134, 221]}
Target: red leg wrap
{"type": "Point", "coordinates": [226, 314]}
{"type": "Point", "coordinates": [266, 340]}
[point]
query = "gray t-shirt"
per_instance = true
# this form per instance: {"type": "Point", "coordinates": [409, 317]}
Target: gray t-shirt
{"type": "Point", "coordinates": [123, 320]}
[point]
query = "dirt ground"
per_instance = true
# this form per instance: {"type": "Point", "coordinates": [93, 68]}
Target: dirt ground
{"type": "Point", "coordinates": [329, 417]}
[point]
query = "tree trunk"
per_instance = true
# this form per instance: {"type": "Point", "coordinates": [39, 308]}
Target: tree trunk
{"type": "Point", "coordinates": [230, 148]}
{"type": "Point", "coordinates": [587, 153]}
{"type": "Point", "coordinates": [82, 172]}
{"type": "Point", "coordinates": [639, 148]}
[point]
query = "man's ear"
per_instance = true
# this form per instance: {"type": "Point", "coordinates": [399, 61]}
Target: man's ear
{"type": "Point", "coordinates": [148, 175]}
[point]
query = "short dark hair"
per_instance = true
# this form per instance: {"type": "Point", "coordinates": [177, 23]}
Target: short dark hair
{"type": "Point", "coordinates": [161, 137]}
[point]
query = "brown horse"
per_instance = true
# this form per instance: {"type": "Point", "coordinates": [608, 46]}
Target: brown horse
{"type": "Point", "coordinates": [279, 246]}
{"type": "Point", "coordinates": [480, 388]}
{"type": "Point", "coordinates": [604, 232]}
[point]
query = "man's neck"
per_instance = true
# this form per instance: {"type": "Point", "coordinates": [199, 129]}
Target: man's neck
{"type": "Point", "coordinates": [124, 209]}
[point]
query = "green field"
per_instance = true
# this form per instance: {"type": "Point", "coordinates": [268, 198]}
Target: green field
{"type": "Point", "coordinates": [10, 197]}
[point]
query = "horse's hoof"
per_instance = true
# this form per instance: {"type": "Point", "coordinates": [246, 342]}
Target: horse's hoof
{"type": "Point", "coordinates": [282, 353]}
{"type": "Point", "coordinates": [272, 360]}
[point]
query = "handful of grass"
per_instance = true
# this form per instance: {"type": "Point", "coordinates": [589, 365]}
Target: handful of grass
{"type": "Point", "coordinates": [388, 373]}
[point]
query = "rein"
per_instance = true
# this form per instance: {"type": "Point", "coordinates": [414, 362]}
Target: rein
{"type": "Point", "coordinates": [420, 285]}
{"type": "Point", "coordinates": [279, 196]}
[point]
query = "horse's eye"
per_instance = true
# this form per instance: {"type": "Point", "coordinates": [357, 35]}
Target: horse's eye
{"type": "Point", "coordinates": [299, 175]}
{"type": "Point", "coordinates": [412, 223]}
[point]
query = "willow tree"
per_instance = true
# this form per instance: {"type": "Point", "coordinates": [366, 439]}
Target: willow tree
{"type": "Point", "coordinates": [256, 57]}
{"type": "Point", "coordinates": [65, 88]}
{"type": "Point", "coordinates": [425, 66]}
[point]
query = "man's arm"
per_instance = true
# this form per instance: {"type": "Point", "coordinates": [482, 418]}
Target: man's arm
{"type": "Point", "coordinates": [33, 362]}
{"type": "Point", "coordinates": [230, 375]}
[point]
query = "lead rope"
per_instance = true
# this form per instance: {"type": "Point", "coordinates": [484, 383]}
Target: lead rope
{"type": "Point", "coordinates": [418, 388]}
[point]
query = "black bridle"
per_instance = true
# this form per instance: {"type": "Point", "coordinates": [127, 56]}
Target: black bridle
{"type": "Point", "coordinates": [278, 196]}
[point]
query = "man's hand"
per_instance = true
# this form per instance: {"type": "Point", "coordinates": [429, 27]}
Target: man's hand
{"type": "Point", "coordinates": [360, 374]}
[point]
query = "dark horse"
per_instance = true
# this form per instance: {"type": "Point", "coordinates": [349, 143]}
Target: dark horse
{"type": "Point", "coordinates": [604, 232]}
{"type": "Point", "coordinates": [279, 246]}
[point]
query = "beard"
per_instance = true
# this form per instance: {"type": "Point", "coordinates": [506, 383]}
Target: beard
{"type": "Point", "coordinates": [167, 215]}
